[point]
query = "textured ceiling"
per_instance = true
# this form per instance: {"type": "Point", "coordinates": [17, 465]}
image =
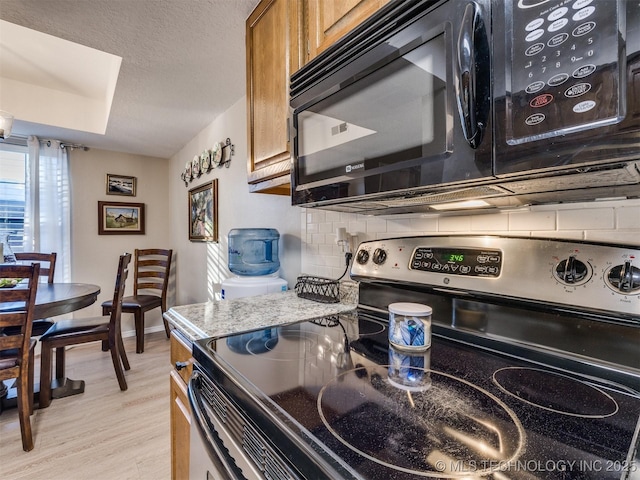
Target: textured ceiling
{"type": "Point", "coordinates": [183, 64]}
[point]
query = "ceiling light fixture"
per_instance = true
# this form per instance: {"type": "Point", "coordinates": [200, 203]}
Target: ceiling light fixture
{"type": "Point", "coordinates": [6, 122]}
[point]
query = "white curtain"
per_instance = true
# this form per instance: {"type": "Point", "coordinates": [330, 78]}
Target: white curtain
{"type": "Point", "coordinates": [47, 222]}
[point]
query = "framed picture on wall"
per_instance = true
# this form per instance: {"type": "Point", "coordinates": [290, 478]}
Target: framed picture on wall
{"type": "Point", "coordinates": [121, 185]}
{"type": "Point", "coordinates": [203, 213]}
{"type": "Point", "coordinates": [120, 218]}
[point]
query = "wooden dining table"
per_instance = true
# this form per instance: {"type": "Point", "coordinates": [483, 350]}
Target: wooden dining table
{"type": "Point", "coordinates": [53, 299]}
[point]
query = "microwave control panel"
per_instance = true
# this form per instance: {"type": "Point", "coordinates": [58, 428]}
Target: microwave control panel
{"type": "Point", "coordinates": [564, 55]}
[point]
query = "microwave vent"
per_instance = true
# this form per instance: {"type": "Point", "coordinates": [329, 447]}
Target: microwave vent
{"type": "Point", "coordinates": [384, 205]}
{"type": "Point", "coordinates": [444, 197]}
{"type": "Point", "coordinates": [607, 175]}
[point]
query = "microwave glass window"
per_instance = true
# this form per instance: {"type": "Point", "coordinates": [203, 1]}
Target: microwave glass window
{"type": "Point", "coordinates": [565, 73]}
{"type": "Point", "coordinates": [398, 115]}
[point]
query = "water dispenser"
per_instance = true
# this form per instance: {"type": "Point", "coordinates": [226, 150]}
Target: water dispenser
{"type": "Point", "coordinates": [254, 259]}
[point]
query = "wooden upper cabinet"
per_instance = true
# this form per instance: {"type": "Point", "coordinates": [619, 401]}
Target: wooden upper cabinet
{"type": "Point", "coordinates": [273, 53]}
{"type": "Point", "coordinates": [330, 20]}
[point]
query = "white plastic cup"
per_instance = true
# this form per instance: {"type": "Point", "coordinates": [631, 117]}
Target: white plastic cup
{"type": "Point", "coordinates": [410, 326]}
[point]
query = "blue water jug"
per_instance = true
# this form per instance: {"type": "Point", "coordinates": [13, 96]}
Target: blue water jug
{"type": "Point", "coordinates": [253, 251]}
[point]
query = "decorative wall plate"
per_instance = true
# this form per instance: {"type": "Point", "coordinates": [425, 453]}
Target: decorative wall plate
{"type": "Point", "coordinates": [216, 154]}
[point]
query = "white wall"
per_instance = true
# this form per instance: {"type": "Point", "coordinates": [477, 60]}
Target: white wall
{"type": "Point", "coordinates": [608, 221]}
{"type": "Point", "coordinates": [200, 266]}
{"type": "Point", "coordinates": [95, 257]}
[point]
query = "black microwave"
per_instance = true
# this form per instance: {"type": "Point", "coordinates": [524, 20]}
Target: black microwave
{"type": "Point", "coordinates": [429, 102]}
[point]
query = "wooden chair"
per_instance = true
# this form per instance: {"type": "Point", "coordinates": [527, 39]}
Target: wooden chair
{"type": "Point", "coordinates": [18, 363]}
{"type": "Point", "coordinates": [151, 279]}
{"type": "Point", "coordinates": [77, 331]}
{"type": "Point", "coordinates": [47, 263]}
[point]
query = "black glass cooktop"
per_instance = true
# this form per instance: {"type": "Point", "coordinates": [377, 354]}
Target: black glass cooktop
{"type": "Point", "coordinates": [337, 401]}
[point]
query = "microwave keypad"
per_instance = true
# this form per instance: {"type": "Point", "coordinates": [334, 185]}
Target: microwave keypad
{"type": "Point", "coordinates": [564, 67]}
{"type": "Point", "coordinates": [456, 261]}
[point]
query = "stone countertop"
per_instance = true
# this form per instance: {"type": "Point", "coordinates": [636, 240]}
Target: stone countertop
{"type": "Point", "coordinates": [210, 319]}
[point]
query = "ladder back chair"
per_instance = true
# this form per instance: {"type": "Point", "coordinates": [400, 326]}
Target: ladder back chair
{"type": "Point", "coordinates": [16, 311]}
{"type": "Point", "coordinates": [84, 330]}
{"type": "Point", "coordinates": [151, 279]}
{"type": "Point", "coordinates": [47, 263]}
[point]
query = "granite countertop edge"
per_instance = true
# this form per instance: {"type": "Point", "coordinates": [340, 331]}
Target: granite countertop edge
{"type": "Point", "coordinates": [223, 317]}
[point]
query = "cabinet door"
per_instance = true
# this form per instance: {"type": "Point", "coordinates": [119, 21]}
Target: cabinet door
{"type": "Point", "coordinates": [181, 352]}
{"type": "Point", "coordinates": [329, 20]}
{"type": "Point", "coordinates": [180, 410]}
{"type": "Point", "coordinates": [273, 53]}
{"type": "Point", "coordinates": [180, 428]}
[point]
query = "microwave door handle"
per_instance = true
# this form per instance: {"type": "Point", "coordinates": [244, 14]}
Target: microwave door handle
{"type": "Point", "coordinates": [218, 454]}
{"type": "Point", "coordinates": [468, 74]}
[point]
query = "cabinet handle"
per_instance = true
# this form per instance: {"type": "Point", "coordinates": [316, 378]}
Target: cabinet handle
{"type": "Point", "coordinates": [181, 365]}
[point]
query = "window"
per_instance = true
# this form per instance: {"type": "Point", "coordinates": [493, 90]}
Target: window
{"type": "Point", "coordinates": [12, 193]}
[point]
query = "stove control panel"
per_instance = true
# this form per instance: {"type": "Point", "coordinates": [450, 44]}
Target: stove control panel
{"type": "Point", "coordinates": [458, 261]}
{"type": "Point", "coordinates": [579, 274]}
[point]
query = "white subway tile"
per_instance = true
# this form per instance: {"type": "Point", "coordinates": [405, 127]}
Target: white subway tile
{"type": "Point", "coordinates": [376, 225]}
{"type": "Point", "coordinates": [586, 219]}
{"type": "Point", "coordinates": [425, 225]}
{"type": "Point", "coordinates": [454, 223]}
{"type": "Point", "coordinates": [564, 234]}
{"type": "Point", "coordinates": [400, 225]}
{"type": "Point", "coordinates": [356, 227]}
{"type": "Point", "coordinates": [490, 222]}
{"type": "Point", "coordinates": [615, 236]}
{"type": "Point", "coordinates": [318, 238]}
{"type": "Point", "coordinates": [628, 217]}
{"type": "Point", "coordinates": [544, 220]}
{"type": "Point", "coordinates": [331, 216]}
{"type": "Point", "coordinates": [326, 227]}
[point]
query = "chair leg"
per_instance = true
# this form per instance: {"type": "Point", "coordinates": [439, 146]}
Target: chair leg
{"type": "Point", "coordinates": [45, 375]}
{"type": "Point", "coordinates": [166, 326]}
{"type": "Point", "coordinates": [30, 379]}
{"type": "Point", "coordinates": [23, 411]}
{"type": "Point", "coordinates": [139, 321]}
{"type": "Point", "coordinates": [123, 353]}
{"type": "Point", "coordinates": [117, 366]}
{"type": "Point", "coordinates": [60, 366]}
{"type": "Point", "coordinates": [105, 344]}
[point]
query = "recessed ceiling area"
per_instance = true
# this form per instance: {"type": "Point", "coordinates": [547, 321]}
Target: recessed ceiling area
{"type": "Point", "coordinates": [182, 65]}
{"type": "Point", "coordinates": [76, 83]}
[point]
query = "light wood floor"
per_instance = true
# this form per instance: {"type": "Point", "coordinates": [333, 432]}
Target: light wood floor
{"type": "Point", "coordinates": [103, 433]}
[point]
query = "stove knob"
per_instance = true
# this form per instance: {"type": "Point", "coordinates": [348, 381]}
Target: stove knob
{"type": "Point", "coordinates": [362, 257]}
{"type": "Point", "coordinates": [571, 270]}
{"type": "Point", "coordinates": [625, 278]}
{"type": "Point", "coordinates": [379, 256]}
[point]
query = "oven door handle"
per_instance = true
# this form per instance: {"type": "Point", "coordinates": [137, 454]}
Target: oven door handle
{"type": "Point", "coordinates": [217, 451]}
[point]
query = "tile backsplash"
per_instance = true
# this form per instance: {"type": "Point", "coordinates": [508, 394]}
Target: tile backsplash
{"type": "Point", "coordinates": [616, 221]}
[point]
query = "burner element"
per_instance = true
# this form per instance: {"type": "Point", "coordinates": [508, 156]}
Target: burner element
{"type": "Point", "coordinates": [555, 392]}
{"type": "Point", "coordinates": [368, 327]}
{"type": "Point", "coordinates": [276, 344]}
{"type": "Point", "coordinates": [450, 428]}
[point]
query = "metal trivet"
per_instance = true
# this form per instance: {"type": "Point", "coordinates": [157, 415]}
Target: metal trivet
{"type": "Point", "coordinates": [318, 289]}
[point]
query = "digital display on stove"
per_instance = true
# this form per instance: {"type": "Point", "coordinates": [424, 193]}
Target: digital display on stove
{"type": "Point", "coordinates": [471, 262]}
{"type": "Point", "coordinates": [452, 257]}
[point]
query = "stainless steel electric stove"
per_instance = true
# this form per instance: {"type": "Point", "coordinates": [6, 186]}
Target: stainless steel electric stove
{"type": "Point", "coordinates": [533, 370]}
